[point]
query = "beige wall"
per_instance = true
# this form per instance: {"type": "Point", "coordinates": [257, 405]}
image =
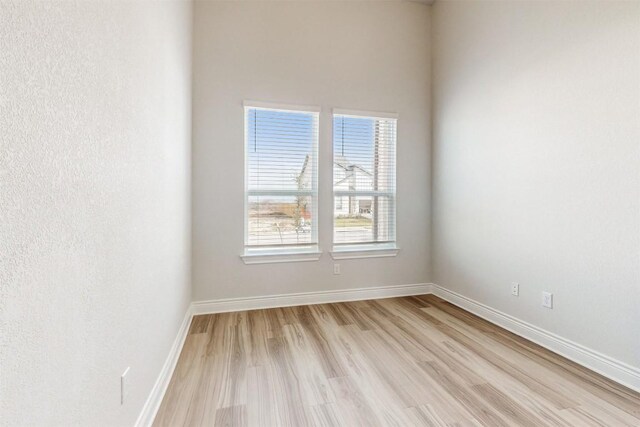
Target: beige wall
{"type": "Point", "coordinates": [537, 163]}
{"type": "Point", "coordinates": [356, 55]}
{"type": "Point", "coordinates": [94, 205]}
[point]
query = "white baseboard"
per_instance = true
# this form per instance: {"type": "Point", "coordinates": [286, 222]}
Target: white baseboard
{"type": "Point", "coordinates": [306, 298]}
{"type": "Point", "coordinates": [613, 369]}
{"type": "Point", "coordinates": [151, 406]}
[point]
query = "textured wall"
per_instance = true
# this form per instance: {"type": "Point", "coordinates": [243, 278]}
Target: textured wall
{"type": "Point", "coordinates": [356, 55]}
{"type": "Point", "coordinates": [94, 204]}
{"type": "Point", "coordinates": [537, 163]}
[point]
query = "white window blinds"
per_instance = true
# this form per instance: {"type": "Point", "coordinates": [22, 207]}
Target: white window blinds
{"type": "Point", "coordinates": [364, 180]}
{"type": "Point", "coordinates": [281, 191]}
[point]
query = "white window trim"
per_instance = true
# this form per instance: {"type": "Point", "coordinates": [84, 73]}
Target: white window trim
{"type": "Point", "coordinates": [268, 255]}
{"type": "Point", "coordinates": [366, 250]}
{"type": "Point", "coordinates": [271, 255]}
{"type": "Point", "coordinates": [366, 114]}
{"type": "Point", "coordinates": [284, 107]}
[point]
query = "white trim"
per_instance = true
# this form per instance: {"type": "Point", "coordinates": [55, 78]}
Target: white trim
{"type": "Point", "coordinates": [285, 107]}
{"type": "Point", "coordinates": [360, 113]}
{"type": "Point", "coordinates": [151, 406]}
{"type": "Point", "coordinates": [307, 298]}
{"type": "Point", "coordinates": [609, 367]}
{"type": "Point", "coordinates": [274, 257]}
{"type": "Point", "coordinates": [363, 251]}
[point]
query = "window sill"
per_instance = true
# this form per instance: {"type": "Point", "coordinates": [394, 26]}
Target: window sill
{"type": "Point", "coordinates": [260, 256]}
{"type": "Point", "coordinates": [364, 251]}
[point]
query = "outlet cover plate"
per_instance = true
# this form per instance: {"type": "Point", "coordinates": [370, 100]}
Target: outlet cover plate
{"type": "Point", "coordinates": [547, 299]}
{"type": "Point", "coordinates": [515, 289]}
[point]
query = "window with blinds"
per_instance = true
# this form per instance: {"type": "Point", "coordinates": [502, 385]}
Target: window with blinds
{"type": "Point", "coordinates": [364, 180]}
{"type": "Point", "coordinates": [281, 191]}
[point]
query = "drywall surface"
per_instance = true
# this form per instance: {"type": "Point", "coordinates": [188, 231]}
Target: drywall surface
{"type": "Point", "coordinates": [94, 205]}
{"type": "Point", "coordinates": [355, 55]}
{"type": "Point", "coordinates": [537, 163]}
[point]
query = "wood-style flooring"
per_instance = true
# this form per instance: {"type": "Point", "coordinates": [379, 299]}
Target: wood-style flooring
{"type": "Point", "coordinates": [390, 362]}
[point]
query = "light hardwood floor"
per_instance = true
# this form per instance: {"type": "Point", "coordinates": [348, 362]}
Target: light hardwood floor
{"type": "Point", "coordinates": [398, 361]}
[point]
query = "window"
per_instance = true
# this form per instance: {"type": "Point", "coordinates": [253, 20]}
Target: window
{"type": "Point", "coordinates": [281, 181]}
{"type": "Point", "coordinates": [364, 181]}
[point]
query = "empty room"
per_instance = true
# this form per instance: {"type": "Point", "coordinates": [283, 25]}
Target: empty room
{"type": "Point", "coordinates": [319, 213]}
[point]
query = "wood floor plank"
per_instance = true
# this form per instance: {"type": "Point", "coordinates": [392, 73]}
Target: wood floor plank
{"type": "Point", "coordinates": [325, 415]}
{"type": "Point", "coordinates": [314, 385]}
{"type": "Point", "coordinates": [231, 416]}
{"type": "Point", "coordinates": [424, 415]}
{"type": "Point", "coordinates": [261, 398]}
{"type": "Point", "coordinates": [463, 394]}
{"type": "Point", "coordinates": [183, 383]}
{"type": "Point", "coordinates": [506, 406]}
{"type": "Point", "coordinates": [353, 408]}
{"type": "Point", "coordinates": [290, 406]}
{"type": "Point", "coordinates": [398, 361]}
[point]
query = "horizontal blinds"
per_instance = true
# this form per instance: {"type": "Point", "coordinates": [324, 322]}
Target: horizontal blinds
{"type": "Point", "coordinates": [281, 177]}
{"type": "Point", "coordinates": [364, 179]}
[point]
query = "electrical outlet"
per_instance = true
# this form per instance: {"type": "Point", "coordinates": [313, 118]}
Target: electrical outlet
{"type": "Point", "coordinates": [336, 268]}
{"type": "Point", "coordinates": [515, 289]}
{"type": "Point", "coordinates": [124, 386]}
{"type": "Point", "coordinates": [547, 299]}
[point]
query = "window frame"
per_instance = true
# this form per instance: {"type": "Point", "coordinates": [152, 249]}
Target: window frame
{"type": "Point", "coordinates": [355, 250]}
{"type": "Point", "coordinates": [284, 253]}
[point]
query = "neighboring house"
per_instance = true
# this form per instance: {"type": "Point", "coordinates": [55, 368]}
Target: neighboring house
{"type": "Point", "coordinates": [346, 177]}
{"type": "Point", "coordinates": [351, 177]}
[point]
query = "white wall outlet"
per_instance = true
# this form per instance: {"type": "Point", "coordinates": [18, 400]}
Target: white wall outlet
{"type": "Point", "coordinates": [515, 289]}
{"type": "Point", "coordinates": [124, 386]}
{"type": "Point", "coordinates": [547, 299]}
{"type": "Point", "coordinates": [336, 268]}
